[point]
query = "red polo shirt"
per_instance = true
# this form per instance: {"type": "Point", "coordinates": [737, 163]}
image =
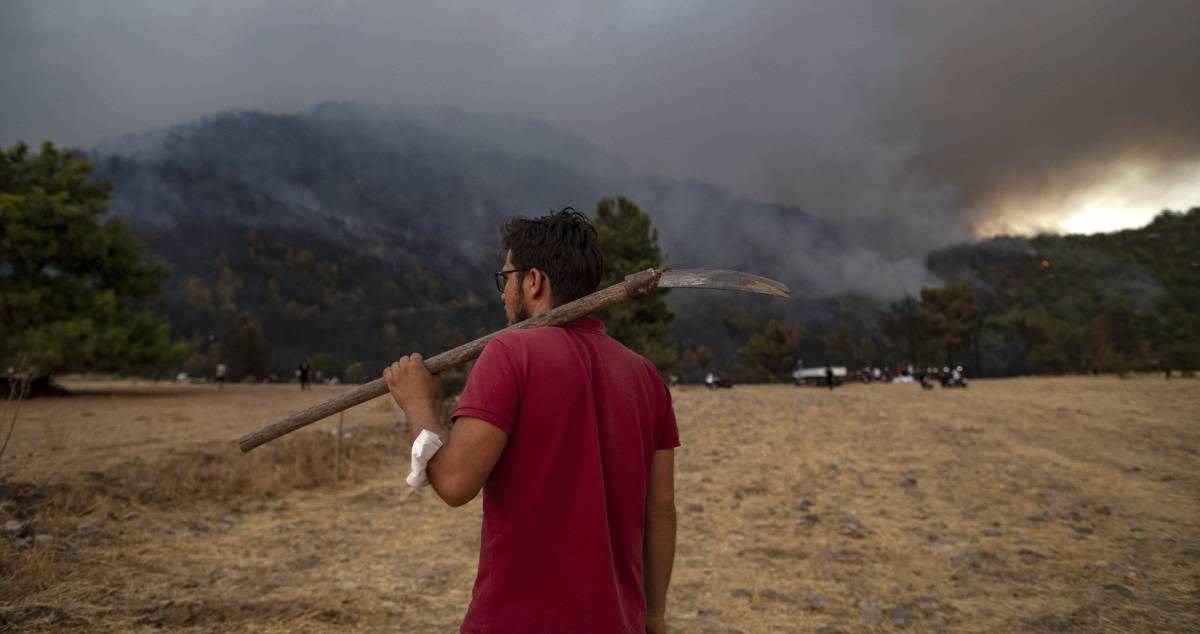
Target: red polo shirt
{"type": "Point", "coordinates": [564, 508]}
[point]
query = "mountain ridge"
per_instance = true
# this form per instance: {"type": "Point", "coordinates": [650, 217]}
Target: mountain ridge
{"type": "Point", "coordinates": [365, 233]}
{"type": "Point", "coordinates": [384, 196]}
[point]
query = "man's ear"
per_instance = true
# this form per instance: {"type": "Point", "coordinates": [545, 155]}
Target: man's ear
{"type": "Point", "coordinates": [537, 283]}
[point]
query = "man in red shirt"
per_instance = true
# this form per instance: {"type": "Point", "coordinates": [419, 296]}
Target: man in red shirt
{"type": "Point", "coordinates": [571, 437]}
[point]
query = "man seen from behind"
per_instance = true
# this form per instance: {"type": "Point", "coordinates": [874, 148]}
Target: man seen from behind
{"type": "Point", "coordinates": [571, 437]}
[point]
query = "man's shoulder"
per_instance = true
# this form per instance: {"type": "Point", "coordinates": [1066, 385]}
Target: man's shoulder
{"type": "Point", "coordinates": [522, 343]}
{"type": "Point", "coordinates": [621, 356]}
{"type": "Point", "coordinates": [518, 341]}
{"type": "Point", "coordinates": [522, 337]}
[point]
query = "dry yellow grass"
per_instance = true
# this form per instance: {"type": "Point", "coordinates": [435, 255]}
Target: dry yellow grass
{"type": "Point", "coordinates": [1019, 505]}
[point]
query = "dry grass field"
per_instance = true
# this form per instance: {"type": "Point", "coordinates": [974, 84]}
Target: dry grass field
{"type": "Point", "coordinates": [1043, 505]}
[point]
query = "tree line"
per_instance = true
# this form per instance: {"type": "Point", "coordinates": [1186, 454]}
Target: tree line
{"type": "Point", "coordinates": [78, 292]}
{"type": "Point", "coordinates": [1120, 302]}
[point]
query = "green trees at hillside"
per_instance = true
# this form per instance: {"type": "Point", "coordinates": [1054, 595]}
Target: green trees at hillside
{"type": "Point", "coordinates": [73, 286]}
{"type": "Point", "coordinates": [695, 361]}
{"type": "Point", "coordinates": [248, 353]}
{"type": "Point", "coordinates": [843, 347]}
{"type": "Point", "coordinates": [1169, 249]}
{"type": "Point", "coordinates": [770, 355]}
{"type": "Point", "coordinates": [1118, 302]}
{"type": "Point", "coordinates": [630, 244]}
{"type": "Point", "coordinates": [947, 314]}
{"type": "Point", "coordinates": [902, 328]}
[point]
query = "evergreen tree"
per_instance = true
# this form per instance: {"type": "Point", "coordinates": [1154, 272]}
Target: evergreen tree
{"type": "Point", "coordinates": [695, 362]}
{"type": "Point", "coordinates": [901, 326]}
{"type": "Point", "coordinates": [249, 353]}
{"type": "Point", "coordinates": [73, 287]}
{"type": "Point", "coordinates": [324, 365]}
{"type": "Point", "coordinates": [630, 244]}
{"type": "Point", "coordinates": [948, 313]}
{"type": "Point", "coordinates": [769, 356]}
{"type": "Point", "coordinates": [356, 373]}
{"type": "Point", "coordinates": [841, 348]}
{"type": "Point", "coordinates": [1180, 347]}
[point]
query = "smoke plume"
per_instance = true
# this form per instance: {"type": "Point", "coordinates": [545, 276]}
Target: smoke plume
{"type": "Point", "coordinates": [919, 124]}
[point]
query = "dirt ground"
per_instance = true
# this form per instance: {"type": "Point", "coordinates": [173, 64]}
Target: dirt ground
{"type": "Point", "coordinates": [1044, 505]}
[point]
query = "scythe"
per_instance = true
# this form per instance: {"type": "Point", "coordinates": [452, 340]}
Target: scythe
{"type": "Point", "coordinates": [634, 286]}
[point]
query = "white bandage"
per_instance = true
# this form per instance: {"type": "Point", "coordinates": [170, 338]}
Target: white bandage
{"type": "Point", "coordinates": [426, 444]}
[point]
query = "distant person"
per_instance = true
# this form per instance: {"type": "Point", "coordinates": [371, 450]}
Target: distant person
{"type": "Point", "coordinates": [303, 372]}
{"type": "Point", "coordinates": [829, 377]}
{"type": "Point", "coordinates": [956, 378]}
{"type": "Point", "coordinates": [220, 375]}
{"type": "Point", "coordinates": [710, 381]}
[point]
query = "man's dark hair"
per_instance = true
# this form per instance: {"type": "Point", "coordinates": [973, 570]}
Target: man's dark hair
{"type": "Point", "coordinates": [561, 245]}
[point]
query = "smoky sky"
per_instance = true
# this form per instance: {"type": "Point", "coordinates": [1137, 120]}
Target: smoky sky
{"type": "Point", "coordinates": [943, 117]}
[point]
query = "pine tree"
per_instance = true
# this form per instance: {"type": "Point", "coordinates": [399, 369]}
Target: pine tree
{"type": "Point", "coordinates": [770, 355]}
{"type": "Point", "coordinates": [73, 286]}
{"type": "Point", "coordinates": [249, 354]}
{"type": "Point", "coordinates": [630, 244]}
{"type": "Point", "coordinates": [901, 325]}
{"type": "Point", "coordinates": [948, 313]}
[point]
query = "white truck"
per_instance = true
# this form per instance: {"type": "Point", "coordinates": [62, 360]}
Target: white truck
{"type": "Point", "coordinates": [816, 375]}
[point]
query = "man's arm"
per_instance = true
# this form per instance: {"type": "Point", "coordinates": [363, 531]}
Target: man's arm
{"type": "Point", "coordinates": [469, 451]}
{"type": "Point", "coordinates": [658, 547]}
{"type": "Point", "coordinates": [460, 468]}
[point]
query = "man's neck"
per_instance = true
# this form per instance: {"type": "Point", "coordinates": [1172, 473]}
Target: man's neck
{"type": "Point", "coordinates": [537, 309]}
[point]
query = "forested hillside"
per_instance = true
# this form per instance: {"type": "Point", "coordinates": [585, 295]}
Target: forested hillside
{"type": "Point", "coordinates": [1115, 302]}
{"type": "Point", "coordinates": [352, 234]}
{"type": "Point", "coordinates": [357, 233]}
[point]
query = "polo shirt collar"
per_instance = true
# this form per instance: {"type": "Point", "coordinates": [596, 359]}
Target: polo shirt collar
{"type": "Point", "coordinates": [590, 324]}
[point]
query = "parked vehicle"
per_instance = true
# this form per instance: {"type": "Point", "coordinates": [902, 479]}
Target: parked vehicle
{"type": "Point", "coordinates": [817, 376]}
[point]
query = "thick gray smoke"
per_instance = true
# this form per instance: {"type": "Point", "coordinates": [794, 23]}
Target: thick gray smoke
{"type": "Point", "coordinates": [1023, 105]}
{"type": "Point", "coordinates": [917, 122]}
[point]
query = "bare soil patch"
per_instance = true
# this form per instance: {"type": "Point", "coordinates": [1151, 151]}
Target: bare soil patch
{"type": "Point", "coordinates": [1016, 505]}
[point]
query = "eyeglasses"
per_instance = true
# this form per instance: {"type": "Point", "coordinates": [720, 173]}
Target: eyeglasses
{"type": "Point", "coordinates": [502, 277]}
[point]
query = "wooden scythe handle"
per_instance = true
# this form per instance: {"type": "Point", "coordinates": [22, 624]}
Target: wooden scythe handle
{"type": "Point", "coordinates": [634, 286]}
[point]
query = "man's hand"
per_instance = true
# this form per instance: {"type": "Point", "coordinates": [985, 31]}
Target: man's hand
{"type": "Point", "coordinates": [459, 469]}
{"type": "Point", "coordinates": [411, 384]}
{"type": "Point", "coordinates": [656, 625]}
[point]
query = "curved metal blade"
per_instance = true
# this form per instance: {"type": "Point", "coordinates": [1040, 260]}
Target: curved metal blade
{"type": "Point", "coordinates": [722, 280]}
